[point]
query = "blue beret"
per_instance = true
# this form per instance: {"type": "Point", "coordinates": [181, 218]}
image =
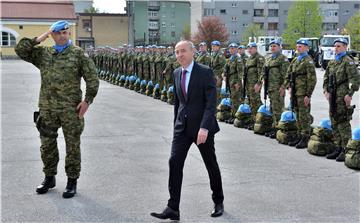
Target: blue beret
{"type": "Point", "coordinates": [59, 25]}
{"type": "Point", "coordinates": [341, 40]}
{"type": "Point", "coordinates": [252, 44]}
{"type": "Point", "coordinates": [241, 47]}
{"type": "Point", "coordinates": [276, 41]}
{"type": "Point", "coordinates": [303, 42]}
{"type": "Point", "coordinates": [202, 44]}
{"type": "Point", "coordinates": [215, 43]}
{"type": "Point", "coordinates": [233, 45]}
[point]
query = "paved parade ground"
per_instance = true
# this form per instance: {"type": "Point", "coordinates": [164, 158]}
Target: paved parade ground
{"type": "Point", "coordinates": [125, 150]}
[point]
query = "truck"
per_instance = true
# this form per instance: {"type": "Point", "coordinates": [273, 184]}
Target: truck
{"type": "Point", "coordinates": [327, 49]}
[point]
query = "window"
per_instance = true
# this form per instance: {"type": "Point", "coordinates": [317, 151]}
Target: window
{"type": "Point", "coordinates": [234, 4]}
{"type": "Point", "coordinates": [86, 23]}
{"type": "Point", "coordinates": [259, 12]}
{"type": "Point", "coordinates": [208, 12]}
{"type": "Point", "coordinates": [285, 12]}
{"type": "Point", "coordinates": [245, 25]}
{"type": "Point", "coordinates": [272, 26]}
{"type": "Point", "coordinates": [273, 13]}
{"type": "Point", "coordinates": [173, 34]}
{"type": "Point", "coordinates": [223, 11]}
{"type": "Point", "coordinates": [172, 25]}
{"type": "Point", "coordinates": [347, 12]}
{"type": "Point", "coordinates": [234, 32]}
{"type": "Point", "coordinates": [163, 24]}
{"type": "Point", "coordinates": [153, 25]}
{"type": "Point", "coordinates": [234, 18]}
{"type": "Point", "coordinates": [245, 12]}
{"type": "Point", "coordinates": [356, 6]}
{"type": "Point", "coordinates": [21, 27]}
{"type": "Point", "coordinates": [7, 39]}
{"type": "Point", "coordinates": [152, 13]}
{"type": "Point", "coordinates": [329, 26]}
{"type": "Point", "coordinates": [260, 24]}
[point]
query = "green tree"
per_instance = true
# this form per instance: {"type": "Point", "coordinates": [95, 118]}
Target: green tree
{"type": "Point", "coordinates": [92, 9]}
{"type": "Point", "coordinates": [186, 33]}
{"type": "Point", "coordinates": [352, 28]}
{"type": "Point", "coordinates": [252, 31]}
{"type": "Point", "coordinates": [304, 20]}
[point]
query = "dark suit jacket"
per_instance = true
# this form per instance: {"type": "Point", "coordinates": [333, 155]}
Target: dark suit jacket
{"type": "Point", "coordinates": [198, 109]}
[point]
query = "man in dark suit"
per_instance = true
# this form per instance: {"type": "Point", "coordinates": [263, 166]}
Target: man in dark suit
{"type": "Point", "coordinates": [194, 122]}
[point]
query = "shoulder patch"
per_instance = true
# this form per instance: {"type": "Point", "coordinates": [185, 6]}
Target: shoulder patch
{"type": "Point", "coordinates": [351, 63]}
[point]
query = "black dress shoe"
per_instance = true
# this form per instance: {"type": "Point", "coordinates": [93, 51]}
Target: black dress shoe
{"type": "Point", "coordinates": [334, 154]}
{"type": "Point", "coordinates": [168, 213]}
{"type": "Point", "coordinates": [49, 182]}
{"type": "Point", "coordinates": [218, 210]}
{"type": "Point", "coordinates": [341, 157]}
{"type": "Point", "coordinates": [70, 189]}
{"type": "Point", "coordinates": [303, 143]}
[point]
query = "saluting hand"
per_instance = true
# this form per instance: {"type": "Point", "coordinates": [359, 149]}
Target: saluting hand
{"type": "Point", "coordinates": [43, 36]}
{"type": "Point", "coordinates": [82, 108]}
{"type": "Point", "coordinates": [202, 136]}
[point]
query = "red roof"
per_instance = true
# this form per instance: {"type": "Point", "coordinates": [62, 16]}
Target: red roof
{"type": "Point", "coordinates": [37, 9]}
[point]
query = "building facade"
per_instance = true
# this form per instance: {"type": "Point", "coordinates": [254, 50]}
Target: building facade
{"type": "Point", "coordinates": [102, 29]}
{"type": "Point", "coordinates": [271, 15]}
{"type": "Point", "coordinates": [30, 19]}
{"type": "Point", "coordinates": [157, 22]}
{"type": "Point", "coordinates": [82, 5]}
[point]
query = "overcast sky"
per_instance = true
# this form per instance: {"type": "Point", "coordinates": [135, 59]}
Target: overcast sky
{"type": "Point", "coordinates": [110, 6]}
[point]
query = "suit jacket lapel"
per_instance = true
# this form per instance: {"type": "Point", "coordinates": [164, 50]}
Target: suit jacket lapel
{"type": "Point", "coordinates": [192, 79]}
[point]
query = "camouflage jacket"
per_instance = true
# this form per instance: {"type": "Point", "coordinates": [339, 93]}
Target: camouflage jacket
{"type": "Point", "coordinates": [60, 74]}
{"type": "Point", "coordinates": [254, 66]}
{"type": "Point", "coordinates": [347, 77]}
{"type": "Point", "coordinates": [217, 63]}
{"type": "Point", "coordinates": [203, 58]}
{"type": "Point", "coordinates": [277, 71]}
{"type": "Point", "coordinates": [305, 76]}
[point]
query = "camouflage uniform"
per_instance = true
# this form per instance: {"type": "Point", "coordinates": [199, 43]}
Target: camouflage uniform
{"type": "Point", "coordinates": [277, 65]}
{"type": "Point", "coordinates": [243, 58]}
{"type": "Point", "coordinates": [305, 83]}
{"type": "Point", "coordinates": [203, 58]}
{"type": "Point", "coordinates": [235, 69]}
{"type": "Point", "coordinates": [159, 67]}
{"type": "Point", "coordinates": [347, 81]}
{"type": "Point", "coordinates": [217, 65]}
{"type": "Point", "coordinates": [60, 93]}
{"type": "Point", "coordinates": [254, 66]}
{"type": "Point", "coordinates": [171, 65]}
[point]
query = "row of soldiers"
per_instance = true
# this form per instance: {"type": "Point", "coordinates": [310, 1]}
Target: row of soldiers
{"type": "Point", "coordinates": [242, 77]}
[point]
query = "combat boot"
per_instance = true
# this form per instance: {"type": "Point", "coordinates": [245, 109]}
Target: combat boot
{"type": "Point", "coordinates": [341, 156]}
{"type": "Point", "coordinates": [303, 143]}
{"type": "Point", "coordinates": [334, 154]}
{"type": "Point", "coordinates": [49, 182]}
{"type": "Point", "coordinates": [294, 142]}
{"type": "Point", "coordinates": [70, 189]}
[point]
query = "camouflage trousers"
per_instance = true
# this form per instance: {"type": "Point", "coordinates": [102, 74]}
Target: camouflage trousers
{"type": "Point", "coordinates": [72, 127]}
{"type": "Point", "coordinates": [276, 105]}
{"type": "Point", "coordinates": [340, 123]}
{"type": "Point", "coordinates": [304, 118]}
{"type": "Point", "coordinates": [254, 99]}
{"type": "Point", "coordinates": [235, 100]}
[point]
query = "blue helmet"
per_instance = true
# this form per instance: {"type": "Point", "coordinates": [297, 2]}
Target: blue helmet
{"type": "Point", "coordinates": [143, 83]}
{"type": "Point", "coordinates": [202, 44]}
{"type": "Point", "coordinates": [132, 79]}
{"type": "Point", "coordinates": [242, 47]}
{"type": "Point", "coordinates": [233, 45]}
{"type": "Point", "coordinates": [252, 44]}
{"type": "Point", "coordinates": [171, 89]}
{"type": "Point", "coordinates": [265, 110]}
{"type": "Point", "coordinates": [303, 41]}
{"type": "Point", "coordinates": [157, 86]}
{"type": "Point", "coordinates": [138, 81]}
{"type": "Point", "coordinates": [356, 134]}
{"type": "Point", "coordinates": [150, 83]}
{"type": "Point", "coordinates": [122, 78]}
{"type": "Point", "coordinates": [288, 116]}
{"type": "Point", "coordinates": [342, 40]}
{"type": "Point", "coordinates": [164, 88]}
{"type": "Point", "coordinates": [276, 41]}
{"type": "Point", "coordinates": [127, 78]}
{"type": "Point", "coordinates": [244, 108]}
{"type": "Point", "coordinates": [215, 43]}
{"type": "Point", "coordinates": [226, 102]}
{"type": "Point", "coordinates": [325, 123]}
